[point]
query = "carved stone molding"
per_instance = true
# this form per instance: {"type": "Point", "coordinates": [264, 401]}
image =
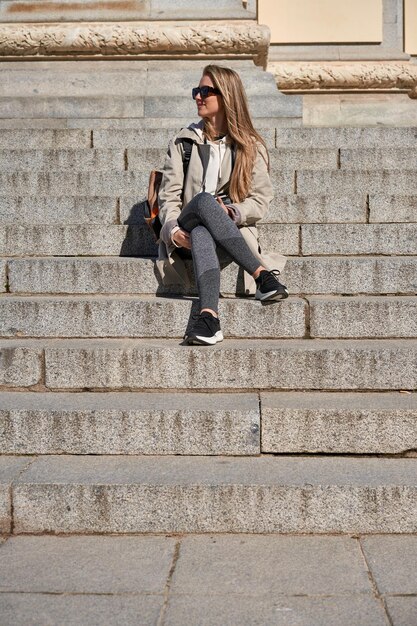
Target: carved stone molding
{"type": "Point", "coordinates": [322, 77]}
{"type": "Point", "coordinates": [138, 39]}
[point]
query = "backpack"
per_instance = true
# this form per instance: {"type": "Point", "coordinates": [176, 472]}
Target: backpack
{"type": "Point", "coordinates": [155, 178]}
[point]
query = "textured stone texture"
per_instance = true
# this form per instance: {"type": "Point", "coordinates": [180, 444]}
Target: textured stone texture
{"type": "Point", "coordinates": [371, 181]}
{"type": "Point", "coordinates": [25, 609]}
{"type": "Point", "coordinates": [402, 610]}
{"type": "Point", "coordinates": [20, 365]}
{"type": "Point", "coordinates": [234, 609]}
{"type": "Point", "coordinates": [214, 494]}
{"type": "Point", "coordinates": [363, 317]}
{"type": "Point", "coordinates": [86, 564]}
{"type": "Point", "coordinates": [376, 159]}
{"type": "Point", "coordinates": [65, 210]}
{"type": "Point", "coordinates": [315, 275]}
{"type": "Point", "coordinates": [129, 423]}
{"type": "Point", "coordinates": [341, 423]}
{"type": "Point", "coordinates": [10, 467]}
{"type": "Point", "coordinates": [392, 562]}
{"type": "Point", "coordinates": [2, 275]}
{"type": "Point", "coordinates": [303, 158]}
{"type": "Point", "coordinates": [134, 317]}
{"type": "Point", "coordinates": [347, 239]}
{"type": "Point", "coordinates": [44, 138]}
{"type": "Point", "coordinates": [80, 160]}
{"type": "Point", "coordinates": [235, 364]}
{"type": "Point", "coordinates": [389, 208]}
{"type": "Point", "coordinates": [67, 107]}
{"type": "Point", "coordinates": [346, 137]}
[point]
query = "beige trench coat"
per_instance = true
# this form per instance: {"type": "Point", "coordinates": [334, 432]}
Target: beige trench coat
{"type": "Point", "coordinates": [170, 265]}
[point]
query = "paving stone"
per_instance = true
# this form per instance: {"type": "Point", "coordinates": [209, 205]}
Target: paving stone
{"type": "Point", "coordinates": [73, 106]}
{"type": "Point", "coordinates": [108, 565]}
{"type": "Point", "coordinates": [10, 467]}
{"type": "Point", "coordinates": [341, 423]}
{"type": "Point", "coordinates": [363, 317]}
{"type": "Point", "coordinates": [61, 182]}
{"type": "Point", "coordinates": [101, 316]}
{"type": "Point", "coordinates": [378, 158]}
{"type": "Point", "coordinates": [389, 208]}
{"type": "Point", "coordinates": [64, 210]}
{"type": "Point", "coordinates": [80, 160]}
{"type": "Point", "coordinates": [20, 366]}
{"type": "Point", "coordinates": [45, 138]}
{"type": "Point", "coordinates": [392, 562]}
{"type": "Point", "coordinates": [216, 494]}
{"type": "Point", "coordinates": [347, 239]}
{"type": "Point", "coordinates": [27, 609]}
{"type": "Point", "coordinates": [264, 565]}
{"type": "Point", "coordinates": [402, 610]}
{"type": "Point", "coordinates": [129, 423]}
{"type": "Point", "coordinates": [76, 240]}
{"type": "Point", "coordinates": [314, 275]}
{"type": "Point", "coordinates": [235, 364]}
{"type": "Point", "coordinates": [402, 182]}
{"type": "Point", "coordinates": [346, 137]}
{"type": "Point", "coordinates": [234, 609]}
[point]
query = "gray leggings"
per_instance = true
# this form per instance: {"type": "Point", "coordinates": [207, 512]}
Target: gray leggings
{"type": "Point", "coordinates": [208, 225]}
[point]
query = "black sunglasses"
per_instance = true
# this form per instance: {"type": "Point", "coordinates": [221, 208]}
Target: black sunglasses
{"type": "Point", "coordinates": [204, 91]}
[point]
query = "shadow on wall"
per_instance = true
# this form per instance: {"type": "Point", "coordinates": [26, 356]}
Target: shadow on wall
{"type": "Point", "coordinates": [138, 240]}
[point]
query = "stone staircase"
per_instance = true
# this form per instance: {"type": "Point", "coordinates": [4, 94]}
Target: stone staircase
{"type": "Point", "coordinates": [304, 420]}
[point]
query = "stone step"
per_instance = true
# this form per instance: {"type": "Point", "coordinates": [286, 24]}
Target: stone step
{"type": "Point", "coordinates": [241, 364]}
{"type": "Point", "coordinates": [345, 137]}
{"type": "Point", "coordinates": [302, 275]}
{"type": "Point", "coordinates": [60, 209]}
{"type": "Point", "coordinates": [115, 240]}
{"type": "Point", "coordinates": [38, 138]}
{"type": "Point", "coordinates": [392, 208]}
{"type": "Point", "coordinates": [129, 423]}
{"type": "Point", "coordinates": [143, 494]}
{"type": "Point", "coordinates": [338, 423]}
{"type": "Point", "coordinates": [124, 316]}
{"type": "Point", "coordinates": [378, 158]}
{"type": "Point", "coordinates": [344, 181]}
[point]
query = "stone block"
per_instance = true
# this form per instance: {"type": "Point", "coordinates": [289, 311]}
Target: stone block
{"type": "Point", "coordinates": [207, 610]}
{"type": "Point", "coordinates": [354, 239]}
{"type": "Point", "coordinates": [283, 238]}
{"type": "Point", "coordinates": [124, 316]}
{"type": "Point", "coordinates": [44, 138]}
{"type": "Point", "coordinates": [216, 494]}
{"type": "Point", "coordinates": [303, 158]}
{"type": "Point", "coordinates": [61, 182]}
{"type": "Point", "coordinates": [108, 565]}
{"type": "Point", "coordinates": [402, 610]}
{"type": "Point", "coordinates": [3, 277]}
{"type": "Point", "coordinates": [77, 240]}
{"type": "Point", "coordinates": [129, 423]}
{"type": "Point", "coordinates": [283, 181]}
{"type": "Point", "coordinates": [10, 467]}
{"type": "Point", "coordinates": [392, 208]}
{"type": "Point", "coordinates": [147, 160]}
{"type": "Point", "coordinates": [20, 365]}
{"type": "Point", "coordinates": [73, 159]}
{"type": "Point", "coordinates": [346, 137]}
{"type": "Point", "coordinates": [60, 209]}
{"type": "Point", "coordinates": [59, 11]}
{"type": "Point", "coordinates": [378, 158]}
{"type": "Point", "coordinates": [192, 9]}
{"type": "Point", "coordinates": [371, 181]}
{"type": "Point", "coordinates": [73, 610]}
{"type": "Point", "coordinates": [235, 364]}
{"type": "Point", "coordinates": [338, 423]}
{"type": "Point", "coordinates": [67, 106]}
{"type": "Point", "coordinates": [363, 317]}
{"type": "Point", "coordinates": [392, 563]}
{"type": "Point", "coordinates": [305, 209]}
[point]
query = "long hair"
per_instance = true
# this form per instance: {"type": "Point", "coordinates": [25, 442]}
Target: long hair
{"type": "Point", "coordinates": [239, 128]}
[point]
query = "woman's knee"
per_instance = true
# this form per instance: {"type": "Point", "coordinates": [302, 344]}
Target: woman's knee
{"type": "Point", "coordinates": [205, 201]}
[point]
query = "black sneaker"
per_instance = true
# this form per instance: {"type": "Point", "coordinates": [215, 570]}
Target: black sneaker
{"type": "Point", "coordinates": [205, 330]}
{"type": "Point", "coordinates": [268, 287]}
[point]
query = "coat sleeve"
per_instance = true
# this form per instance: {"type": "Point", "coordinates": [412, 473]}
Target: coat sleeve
{"type": "Point", "coordinates": [170, 191]}
{"type": "Point", "coordinates": [256, 205]}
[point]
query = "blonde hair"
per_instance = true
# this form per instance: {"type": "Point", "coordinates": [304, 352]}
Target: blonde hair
{"type": "Point", "coordinates": [239, 128]}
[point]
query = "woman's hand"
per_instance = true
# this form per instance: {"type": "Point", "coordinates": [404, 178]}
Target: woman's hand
{"type": "Point", "coordinates": [182, 238]}
{"type": "Point", "coordinates": [224, 207]}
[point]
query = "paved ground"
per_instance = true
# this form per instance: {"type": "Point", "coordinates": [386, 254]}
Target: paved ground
{"type": "Point", "coordinates": [209, 580]}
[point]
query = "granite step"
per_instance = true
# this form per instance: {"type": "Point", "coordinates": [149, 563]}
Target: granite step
{"type": "Point", "coordinates": [235, 364]}
{"type": "Point", "coordinates": [129, 423]}
{"type": "Point", "coordinates": [126, 316]}
{"type": "Point", "coordinates": [347, 137]}
{"type": "Point", "coordinates": [118, 275]}
{"type": "Point", "coordinates": [142, 494]}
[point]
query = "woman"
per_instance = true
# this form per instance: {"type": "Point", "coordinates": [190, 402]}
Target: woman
{"type": "Point", "coordinates": [213, 209]}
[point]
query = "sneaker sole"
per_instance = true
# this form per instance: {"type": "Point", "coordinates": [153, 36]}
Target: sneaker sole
{"type": "Point", "coordinates": [271, 295]}
{"type": "Point", "coordinates": [198, 340]}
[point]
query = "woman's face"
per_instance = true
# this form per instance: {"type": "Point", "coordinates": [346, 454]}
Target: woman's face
{"type": "Point", "coordinates": [213, 104]}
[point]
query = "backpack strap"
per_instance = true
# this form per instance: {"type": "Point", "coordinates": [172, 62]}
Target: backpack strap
{"type": "Point", "coordinates": [187, 145]}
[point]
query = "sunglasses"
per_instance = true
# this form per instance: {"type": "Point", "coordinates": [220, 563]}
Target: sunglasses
{"type": "Point", "coordinates": [204, 91]}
